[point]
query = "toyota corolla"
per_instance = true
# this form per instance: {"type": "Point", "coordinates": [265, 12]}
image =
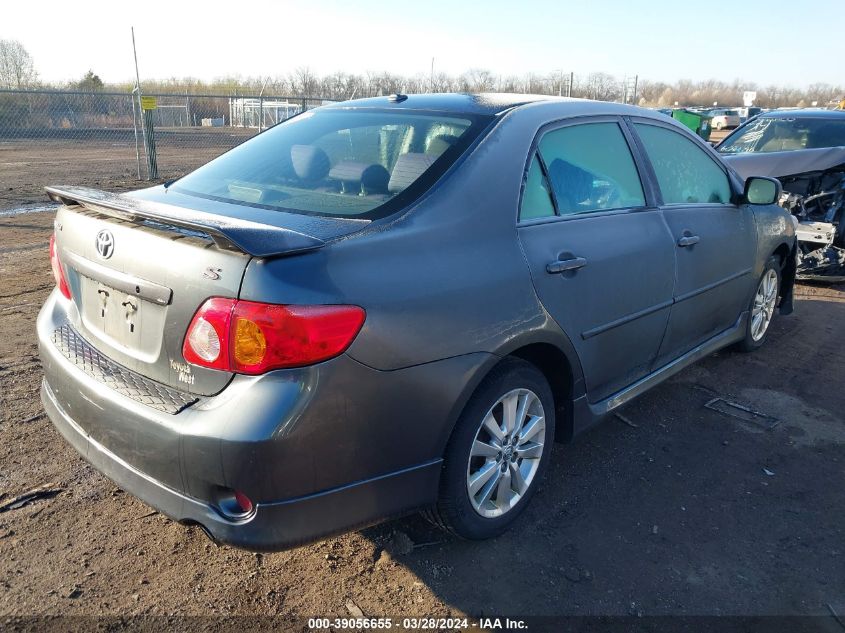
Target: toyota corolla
{"type": "Point", "coordinates": [397, 304]}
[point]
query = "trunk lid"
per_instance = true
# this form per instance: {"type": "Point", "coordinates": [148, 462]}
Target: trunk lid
{"type": "Point", "coordinates": [140, 265]}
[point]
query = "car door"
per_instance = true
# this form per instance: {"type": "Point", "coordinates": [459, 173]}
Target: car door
{"type": "Point", "coordinates": [715, 239]}
{"type": "Point", "coordinates": [600, 255]}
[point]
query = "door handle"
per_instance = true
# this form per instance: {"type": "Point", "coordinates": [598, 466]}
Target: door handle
{"type": "Point", "coordinates": [688, 240]}
{"type": "Point", "coordinates": [562, 265]}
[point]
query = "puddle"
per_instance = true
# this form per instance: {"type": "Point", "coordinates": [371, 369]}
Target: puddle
{"type": "Point", "coordinates": [29, 208]}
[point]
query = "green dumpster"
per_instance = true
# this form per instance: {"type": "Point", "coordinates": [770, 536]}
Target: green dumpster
{"type": "Point", "coordinates": [698, 122]}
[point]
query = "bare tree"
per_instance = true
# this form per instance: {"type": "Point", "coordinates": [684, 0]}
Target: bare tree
{"type": "Point", "coordinates": [303, 82]}
{"type": "Point", "coordinates": [17, 70]}
{"type": "Point", "coordinates": [651, 92]}
{"type": "Point", "coordinates": [476, 80]}
{"type": "Point", "coordinates": [602, 87]}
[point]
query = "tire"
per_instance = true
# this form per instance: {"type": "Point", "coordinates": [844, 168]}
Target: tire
{"type": "Point", "coordinates": [517, 382]}
{"type": "Point", "coordinates": [764, 303]}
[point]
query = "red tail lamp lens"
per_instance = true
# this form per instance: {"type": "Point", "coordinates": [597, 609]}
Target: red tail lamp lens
{"type": "Point", "coordinates": [252, 338]}
{"type": "Point", "coordinates": [58, 271]}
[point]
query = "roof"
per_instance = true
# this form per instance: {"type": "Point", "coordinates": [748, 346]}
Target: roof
{"type": "Point", "coordinates": [807, 113]}
{"type": "Point", "coordinates": [485, 103]}
{"type": "Point", "coordinates": [492, 104]}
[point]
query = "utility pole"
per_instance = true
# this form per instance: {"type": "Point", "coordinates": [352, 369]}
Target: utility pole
{"type": "Point", "coordinates": [431, 77]}
{"type": "Point", "coordinates": [559, 82]}
{"type": "Point", "coordinates": [150, 174]}
{"type": "Point", "coordinates": [569, 87]}
{"type": "Point", "coordinates": [261, 105]}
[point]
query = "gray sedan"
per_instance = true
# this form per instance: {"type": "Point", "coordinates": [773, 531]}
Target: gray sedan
{"type": "Point", "coordinates": [397, 304]}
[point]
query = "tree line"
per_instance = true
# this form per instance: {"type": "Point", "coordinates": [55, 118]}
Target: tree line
{"type": "Point", "coordinates": [17, 71]}
{"type": "Point", "coordinates": [597, 85]}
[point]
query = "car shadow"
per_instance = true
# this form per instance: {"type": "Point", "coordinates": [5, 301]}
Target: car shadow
{"type": "Point", "coordinates": [677, 509]}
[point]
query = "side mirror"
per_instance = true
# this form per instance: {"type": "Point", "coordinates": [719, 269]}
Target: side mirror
{"type": "Point", "coordinates": [759, 190]}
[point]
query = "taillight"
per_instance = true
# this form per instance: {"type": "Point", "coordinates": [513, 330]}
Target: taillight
{"type": "Point", "coordinates": [207, 342]}
{"type": "Point", "coordinates": [251, 338]}
{"type": "Point", "coordinates": [58, 271]}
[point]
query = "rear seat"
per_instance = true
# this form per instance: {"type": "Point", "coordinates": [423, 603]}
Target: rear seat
{"type": "Point", "coordinates": [364, 178]}
{"type": "Point", "coordinates": [407, 169]}
{"type": "Point", "coordinates": [312, 166]}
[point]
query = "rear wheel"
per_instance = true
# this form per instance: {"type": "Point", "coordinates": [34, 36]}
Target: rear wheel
{"type": "Point", "coordinates": [498, 452]}
{"type": "Point", "coordinates": [763, 307]}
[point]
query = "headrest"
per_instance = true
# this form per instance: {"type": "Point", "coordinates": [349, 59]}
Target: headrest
{"type": "Point", "coordinates": [441, 143]}
{"type": "Point", "coordinates": [309, 162]}
{"type": "Point", "coordinates": [370, 178]}
{"type": "Point", "coordinates": [407, 169]}
{"type": "Point", "coordinates": [572, 184]}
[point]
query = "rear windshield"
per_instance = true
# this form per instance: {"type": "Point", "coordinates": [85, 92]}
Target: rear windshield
{"type": "Point", "coordinates": [782, 134]}
{"type": "Point", "coordinates": [351, 163]}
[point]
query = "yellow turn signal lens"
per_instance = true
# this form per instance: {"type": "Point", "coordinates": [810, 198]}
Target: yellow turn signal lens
{"type": "Point", "coordinates": [250, 344]}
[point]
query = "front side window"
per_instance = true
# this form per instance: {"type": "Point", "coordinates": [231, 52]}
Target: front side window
{"type": "Point", "coordinates": [685, 173]}
{"type": "Point", "coordinates": [338, 162]}
{"type": "Point", "coordinates": [590, 168]}
{"type": "Point", "coordinates": [785, 133]}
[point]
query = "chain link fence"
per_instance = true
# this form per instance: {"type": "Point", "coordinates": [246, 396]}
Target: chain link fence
{"type": "Point", "coordinates": [106, 140]}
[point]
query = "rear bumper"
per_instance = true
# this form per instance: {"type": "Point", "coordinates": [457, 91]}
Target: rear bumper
{"type": "Point", "coordinates": [318, 450]}
{"type": "Point", "coordinates": [273, 526]}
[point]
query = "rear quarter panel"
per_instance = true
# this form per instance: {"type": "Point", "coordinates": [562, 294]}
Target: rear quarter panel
{"type": "Point", "coordinates": [445, 278]}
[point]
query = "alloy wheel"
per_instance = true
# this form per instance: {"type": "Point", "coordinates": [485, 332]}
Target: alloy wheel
{"type": "Point", "coordinates": [763, 308]}
{"type": "Point", "coordinates": [506, 453]}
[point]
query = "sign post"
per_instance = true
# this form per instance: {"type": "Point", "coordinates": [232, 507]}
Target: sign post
{"type": "Point", "coordinates": [148, 105]}
{"type": "Point", "coordinates": [146, 119]}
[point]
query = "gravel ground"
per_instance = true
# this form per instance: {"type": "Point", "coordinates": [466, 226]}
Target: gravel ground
{"type": "Point", "coordinates": [677, 509]}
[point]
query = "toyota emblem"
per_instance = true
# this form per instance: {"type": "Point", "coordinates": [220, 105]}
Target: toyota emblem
{"type": "Point", "coordinates": [105, 244]}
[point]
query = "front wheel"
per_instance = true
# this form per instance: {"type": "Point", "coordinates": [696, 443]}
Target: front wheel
{"type": "Point", "coordinates": [763, 307]}
{"type": "Point", "coordinates": [498, 452]}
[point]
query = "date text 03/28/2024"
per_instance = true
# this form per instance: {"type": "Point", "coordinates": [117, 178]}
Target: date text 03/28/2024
{"type": "Point", "coordinates": [415, 623]}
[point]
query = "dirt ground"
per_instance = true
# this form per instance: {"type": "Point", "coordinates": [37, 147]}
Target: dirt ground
{"type": "Point", "coordinates": [102, 159]}
{"type": "Point", "coordinates": [677, 509]}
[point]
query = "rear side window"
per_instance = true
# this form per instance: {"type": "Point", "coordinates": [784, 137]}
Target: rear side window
{"type": "Point", "coordinates": [536, 199]}
{"type": "Point", "coordinates": [354, 163]}
{"type": "Point", "coordinates": [685, 173]}
{"type": "Point", "coordinates": [590, 168]}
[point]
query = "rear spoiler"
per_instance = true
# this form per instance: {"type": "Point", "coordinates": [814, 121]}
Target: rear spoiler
{"type": "Point", "coordinates": [253, 238]}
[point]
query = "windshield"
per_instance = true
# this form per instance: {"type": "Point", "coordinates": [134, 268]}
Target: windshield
{"type": "Point", "coordinates": [353, 163]}
{"type": "Point", "coordinates": [780, 134]}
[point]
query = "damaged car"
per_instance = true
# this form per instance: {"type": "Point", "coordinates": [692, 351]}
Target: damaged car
{"type": "Point", "coordinates": [397, 304]}
{"type": "Point", "coordinates": [805, 151]}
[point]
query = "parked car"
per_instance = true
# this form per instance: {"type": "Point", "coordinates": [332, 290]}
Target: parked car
{"type": "Point", "coordinates": [805, 151]}
{"type": "Point", "coordinates": [394, 304]}
{"type": "Point", "coordinates": [724, 119]}
{"type": "Point", "coordinates": [748, 112]}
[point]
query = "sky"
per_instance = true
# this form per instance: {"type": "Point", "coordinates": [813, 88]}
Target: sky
{"type": "Point", "coordinates": [775, 42]}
